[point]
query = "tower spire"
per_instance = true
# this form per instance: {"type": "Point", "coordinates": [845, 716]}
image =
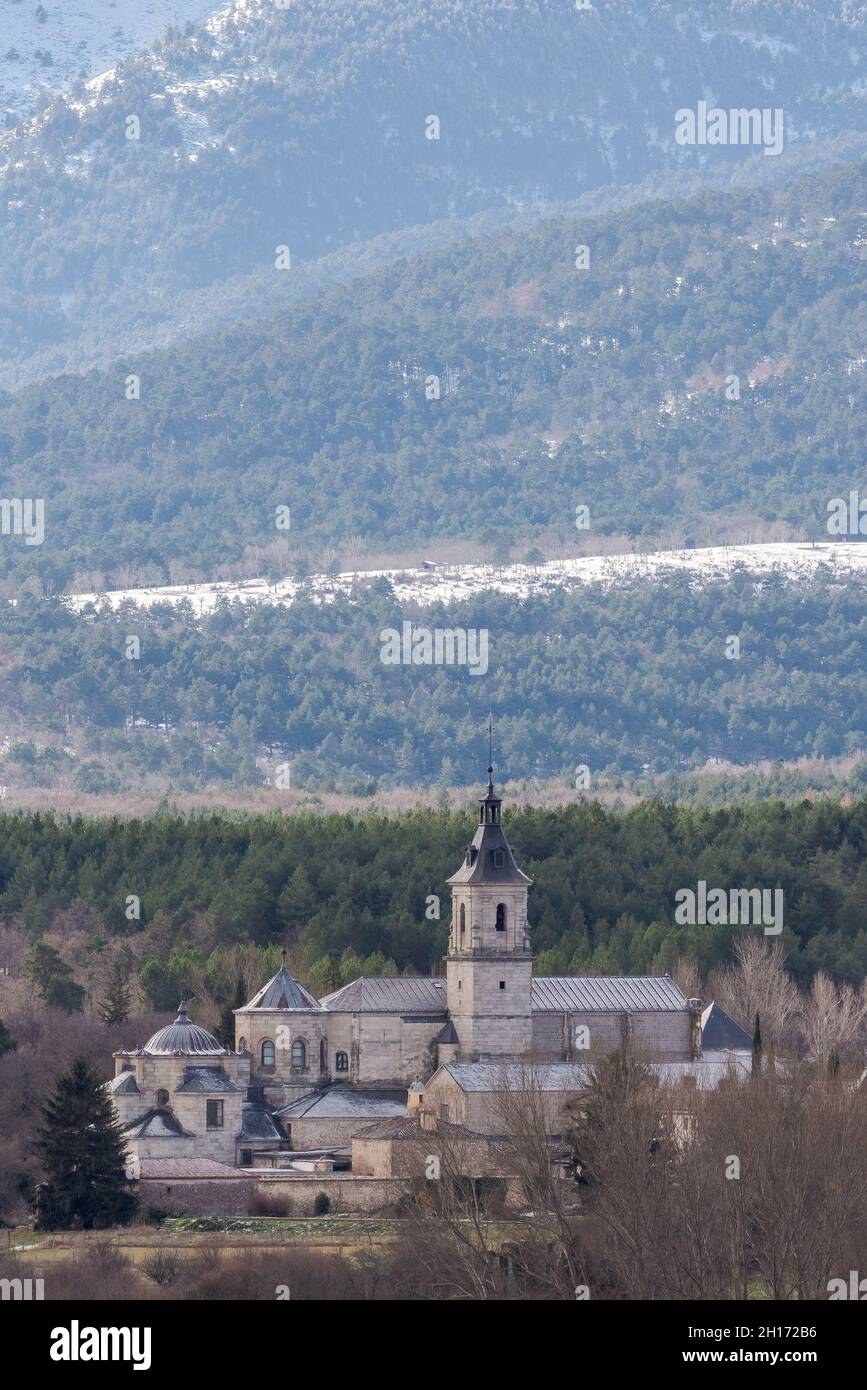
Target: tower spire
{"type": "Point", "coordinates": [490, 753]}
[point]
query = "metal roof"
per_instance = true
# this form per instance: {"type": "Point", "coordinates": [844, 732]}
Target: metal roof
{"type": "Point", "coordinates": [282, 992]}
{"type": "Point", "coordinates": [339, 1104]}
{"type": "Point", "coordinates": [183, 1037]}
{"type": "Point", "coordinates": [606, 994]}
{"type": "Point", "coordinates": [389, 994]}
{"type": "Point", "coordinates": [517, 1076]}
{"type": "Point", "coordinates": [706, 1075]}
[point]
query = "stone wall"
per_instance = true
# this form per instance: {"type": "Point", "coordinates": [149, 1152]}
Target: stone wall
{"type": "Point", "coordinates": [667, 1036]}
{"type": "Point", "coordinates": [197, 1196]}
{"type": "Point", "coordinates": [383, 1047]}
{"type": "Point", "coordinates": [346, 1191]}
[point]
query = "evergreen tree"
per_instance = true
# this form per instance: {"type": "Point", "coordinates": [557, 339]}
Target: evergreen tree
{"type": "Point", "coordinates": [82, 1149]}
{"type": "Point", "coordinates": [117, 1000]}
{"type": "Point", "coordinates": [7, 1042]}
{"type": "Point", "coordinates": [52, 977]}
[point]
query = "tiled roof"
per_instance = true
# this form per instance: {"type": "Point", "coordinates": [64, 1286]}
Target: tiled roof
{"type": "Point", "coordinates": [607, 994]}
{"type": "Point", "coordinates": [338, 1103]}
{"type": "Point", "coordinates": [170, 1168]}
{"type": "Point", "coordinates": [393, 994]}
{"type": "Point", "coordinates": [282, 992]}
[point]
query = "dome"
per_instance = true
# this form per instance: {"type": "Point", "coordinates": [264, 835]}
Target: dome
{"type": "Point", "coordinates": [184, 1037]}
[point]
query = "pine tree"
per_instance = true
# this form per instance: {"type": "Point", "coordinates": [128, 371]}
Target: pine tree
{"type": "Point", "coordinates": [117, 1001]}
{"type": "Point", "coordinates": [53, 978]}
{"type": "Point", "coordinates": [7, 1042]}
{"type": "Point", "coordinates": [82, 1149]}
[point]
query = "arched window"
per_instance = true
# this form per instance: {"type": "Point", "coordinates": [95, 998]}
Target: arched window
{"type": "Point", "coordinates": [268, 1053]}
{"type": "Point", "coordinates": [341, 1061]}
{"type": "Point", "coordinates": [162, 1097]}
{"type": "Point", "coordinates": [242, 1044]}
{"type": "Point", "coordinates": [463, 921]}
{"type": "Point", "coordinates": [323, 1056]}
{"type": "Point", "coordinates": [501, 916]}
{"type": "Point", "coordinates": [299, 1054]}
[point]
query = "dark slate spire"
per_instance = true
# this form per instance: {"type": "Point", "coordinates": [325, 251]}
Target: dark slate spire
{"type": "Point", "coordinates": [489, 858]}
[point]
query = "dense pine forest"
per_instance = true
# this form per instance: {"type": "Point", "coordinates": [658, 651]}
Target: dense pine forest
{"type": "Point", "coordinates": [353, 894]}
{"type": "Point", "coordinates": [628, 681]}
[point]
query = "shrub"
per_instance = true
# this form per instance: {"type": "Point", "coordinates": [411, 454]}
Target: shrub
{"type": "Point", "coordinates": [321, 1204]}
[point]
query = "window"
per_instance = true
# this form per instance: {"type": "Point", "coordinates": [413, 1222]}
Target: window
{"type": "Point", "coordinates": [214, 1114]}
{"type": "Point", "coordinates": [498, 858]}
{"type": "Point", "coordinates": [463, 920]}
{"type": "Point", "coordinates": [444, 1112]}
{"type": "Point", "coordinates": [460, 984]}
{"type": "Point", "coordinates": [162, 1097]}
{"type": "Point", "coordinates": [299, 1054]}
{"type": "Point", "coordinates": [323, 1056]}
{"type": "Point", "coordinates": [246, 1158]}
{"type": "Point", "coordinates": [269, 1056]}
{"type": "Point", "coordinates": [341, 1061]}
{"type": "Point", "coordinates": [501, 916]}
{"type": "Point", "coordinates": [502, 984]}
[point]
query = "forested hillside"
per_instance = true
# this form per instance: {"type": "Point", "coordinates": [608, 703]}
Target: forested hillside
{"type": "Point", "coordinates": [350, 894]}
{"type": "Point", "coordinates": [309, 126]}
{"type": "Point", "coordinates": [622, 680]}
{"type": "Point", "coordinates": [610, 387]}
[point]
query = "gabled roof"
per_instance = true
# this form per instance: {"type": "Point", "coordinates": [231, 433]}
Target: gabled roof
{"type": "Point", "coordinates": [123, 1084]}
{"type": "Point", "coordinates": [389, 994]}
{"type": "Point", "coordinates": [338, 1103]}
{"type": "Point", "coordinates": [156, 1124]}
{"type": "Point", "coordinates": [606, 994]}
{"type": "Point", "coordinates": [206, 1080]}
{"type": "Point", "coordinates": [256, 1123]}
{"type": "Point", "coordinates": [281, 992]}
{"type": "Point", "coordinates": [720, 1033]}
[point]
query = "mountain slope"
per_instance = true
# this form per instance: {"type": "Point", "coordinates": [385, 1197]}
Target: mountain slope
{"type": "Point", "coordinates": [307, 127]}
{"type": "Point", "coordinates": [607, 388]}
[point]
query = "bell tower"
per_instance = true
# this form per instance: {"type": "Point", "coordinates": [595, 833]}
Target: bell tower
{"type": "Point", "coordinates": [489, 965]}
